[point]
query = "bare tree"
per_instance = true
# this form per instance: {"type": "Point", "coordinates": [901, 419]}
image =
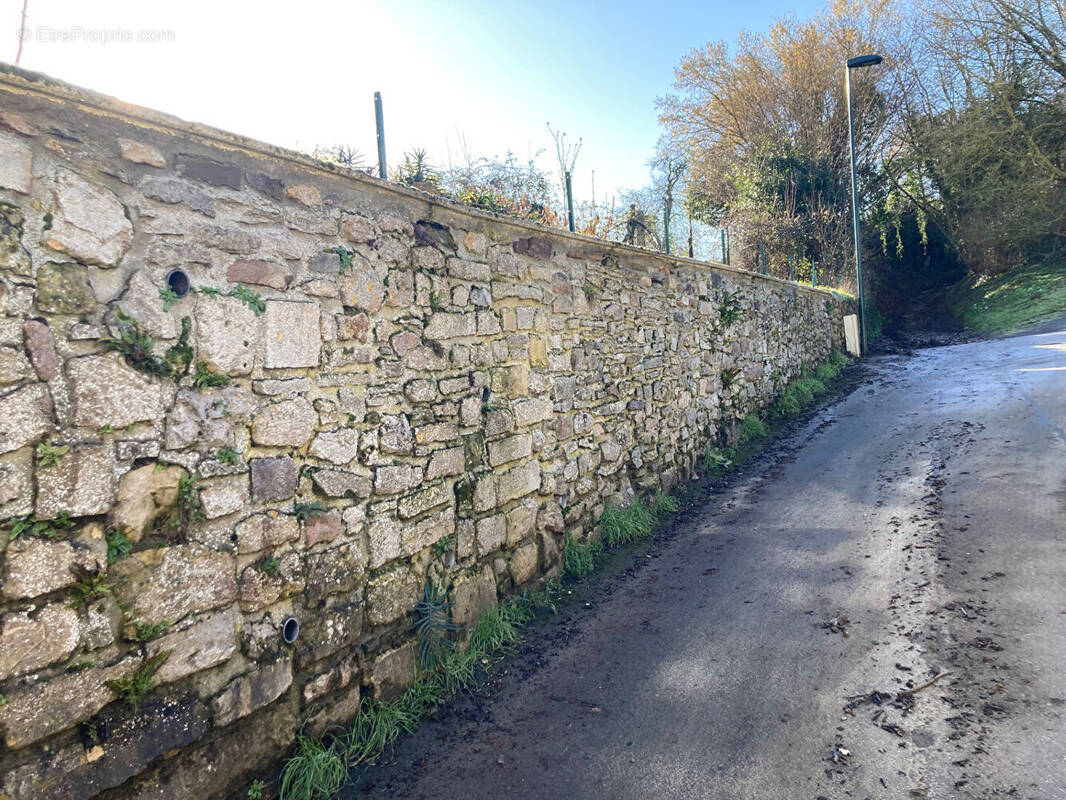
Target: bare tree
{"type": "Point", "coordinates": [668, 170]}
{"type": "Point", "coordinates": [566, 154]}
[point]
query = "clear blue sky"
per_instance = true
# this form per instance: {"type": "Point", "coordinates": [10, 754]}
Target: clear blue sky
{"type": "Point", "coordinates": [300, 74]}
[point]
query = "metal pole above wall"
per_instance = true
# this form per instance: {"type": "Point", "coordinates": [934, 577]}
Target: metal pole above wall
{"type": "Point", "coordinates": [569, 203]}
{"type": "Point", "coordinates": [725, 253]}
{"type": "Point", "coordinates": [762, 257]}
{"type": "Point", "coordinates": [383, 170]}
{"type": "Point", "coordinates": [791, 268]}
{"type": "Point", "coordinates": [666, 232]}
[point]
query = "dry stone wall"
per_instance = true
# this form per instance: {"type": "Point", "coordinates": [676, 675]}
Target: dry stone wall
{"type": "Point", "coordinates": [411, 385]}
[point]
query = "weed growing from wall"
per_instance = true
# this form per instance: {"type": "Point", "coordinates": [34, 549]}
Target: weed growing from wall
{"type": "Point", "coordinates": [729, 376]}
{"type": "Point", "coordinates": [136, 347]}
{"type": "Point", "coordinates": [304, 511]}
{"type": "Point", "coordinates": [444, 545]}
{"type": "Point", "coordinates": [49, 454]}
{"type": "Point", "coordinates": [729, 310]}
{"type": "Point", "coordinates": [432, 625]}
{"type": "Point", "coordinates": [147, 631]}
{"type": "Point", "coordinates": [118, 546]}
{"type": "Point", "coordinates": [169, 297]}
{"type": "Point", "coordinates": [253, 300]}
{"type": "Point", "coordinates": [136, 683]}
{"type": "Point", "coordinates": [345, 257]}
{"type": "Point", "coordinates": [206, 378]}
{"type": "Point", "coordinates": [179, 355]}
{"type": "Point", "coordinates": [88, 585]}
{"type": "Point", "coordinates": [187, 508]}
{"type": "Point", "coordinates": [42, 528]}
{"type": "Point", "coordinates": [227, 455]}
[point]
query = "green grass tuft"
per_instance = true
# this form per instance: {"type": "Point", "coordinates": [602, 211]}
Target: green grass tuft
{"type": "Point", "coordinates": [579, 558]}
{"type": "Point", "coordinates": [547, 598]}
{"type": "Point", "coordinates": [811, 386]}
{"type": "Point", "coordinates": [379, 723]}
{"type": "Point", "coordinates": [314, 772]}
{"type": "Point", "coordinates": [665, 504]}
{"type": "Point", "coordinates": [804, 390]}
{"type": "Point", "coordinates": [827, 372]}
{"type": "Point", "coordinates": [498, 629]}
{"type": "Point", "coordinates": [753, 428]}
{"type": "Point", "coordinates": [716, 462]}
{"type": "Point", "coordinates": [625, 525]}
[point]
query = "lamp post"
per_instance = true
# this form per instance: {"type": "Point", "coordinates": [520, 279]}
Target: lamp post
{"type": "Point", "coordinates": [857, 63]}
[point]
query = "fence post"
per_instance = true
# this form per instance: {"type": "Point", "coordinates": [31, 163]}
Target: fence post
{"type": "Point", "coordinates": [569, 203]}
{"type": "Point", "coordinates": [379, 116]}
{"type": "Point", "coordinates": [814, 274]}
{"type": "Point", "coordinates": [762, 257]}
{"type": "Point", "coordinates": [725, 253]}
{"type": "Point", "coordinates": [791, 271]}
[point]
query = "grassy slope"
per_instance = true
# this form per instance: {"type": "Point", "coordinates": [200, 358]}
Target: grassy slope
{"type": "Point", "coordinates": [1011, 301]}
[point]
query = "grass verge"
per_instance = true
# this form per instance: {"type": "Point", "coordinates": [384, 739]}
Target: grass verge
{"type": "Point", "coordinates": [318, 768]}
{"type": "Point", "coordinates": [797, 396]}
{"type": "Point", "coordinates": [1010, 301]}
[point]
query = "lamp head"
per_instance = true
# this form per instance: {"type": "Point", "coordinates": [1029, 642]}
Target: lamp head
{"type": "Point", "coordinates": [864, 61]}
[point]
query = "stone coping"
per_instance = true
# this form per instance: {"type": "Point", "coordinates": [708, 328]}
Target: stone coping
{"type": "Point", "coordinates": [21, 81]}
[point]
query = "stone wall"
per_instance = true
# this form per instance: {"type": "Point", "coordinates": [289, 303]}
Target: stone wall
{"type": "Point", "coordinates": [411, 385]}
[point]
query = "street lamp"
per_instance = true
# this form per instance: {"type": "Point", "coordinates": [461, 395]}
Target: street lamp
{"type": "Point", "coordinates": [857, 63]}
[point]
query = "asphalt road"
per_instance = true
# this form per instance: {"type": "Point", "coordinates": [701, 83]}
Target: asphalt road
{"type": "Point", "coordinates": [915, 528]}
